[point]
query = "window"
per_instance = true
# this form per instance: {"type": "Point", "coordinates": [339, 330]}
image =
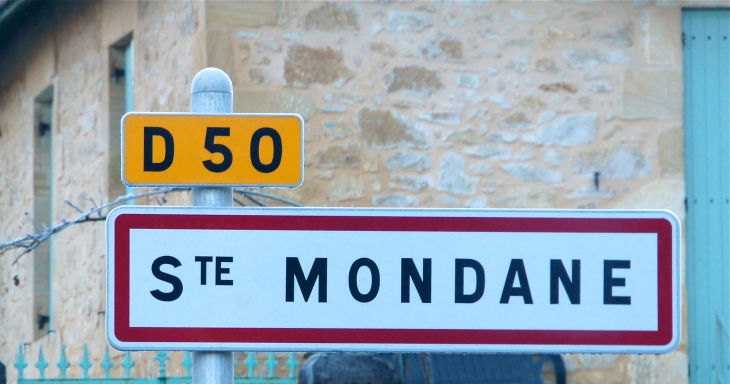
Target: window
{"type": "Point", "coordinates": [42, 210]}
{"type": "Point", "coordinates": [121, 101]}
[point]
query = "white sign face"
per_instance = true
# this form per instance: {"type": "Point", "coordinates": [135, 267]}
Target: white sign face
{"type": "Point", "coordinates": [393, 280]}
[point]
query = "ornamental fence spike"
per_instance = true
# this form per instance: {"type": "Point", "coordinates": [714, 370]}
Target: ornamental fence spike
{"type": "Point", "coordinates": [41, 364]}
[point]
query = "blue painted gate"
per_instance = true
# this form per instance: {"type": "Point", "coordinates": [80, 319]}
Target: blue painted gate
{"type": "Point", "coordinates": [707, 158]}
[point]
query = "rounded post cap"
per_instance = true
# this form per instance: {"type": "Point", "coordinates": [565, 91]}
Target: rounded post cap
{"type": "Point", "coordinates": [211, 80]}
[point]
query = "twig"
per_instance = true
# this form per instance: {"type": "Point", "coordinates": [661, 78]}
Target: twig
{"type": "Point", "coordinates": [31, 241]}
{"type": "Point", "coordinates": [245, 192]}
{"type": "Point", "coordinates": [255, 201]}
{"type": "Point", "coordinates": [74, 206]}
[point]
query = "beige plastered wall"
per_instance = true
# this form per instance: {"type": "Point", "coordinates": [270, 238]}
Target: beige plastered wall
{"type": "Point", "coordinates": [417, 104]}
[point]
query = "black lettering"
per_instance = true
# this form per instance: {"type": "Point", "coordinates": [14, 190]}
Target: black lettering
{"type": "Point", "coordinates": [459, 296]}
{"type": "Point", "coordinates": [149, 164]}
{"type": "Point", "coordinates": [558, 275]}
{"type": "Point", "coordinates": [609, 282]}
{"type": "Point", "coordinates": [255, 155]}
{"type": "Point", "coordinates": [408, 273]}
{"type": "Point", "coordinates": [306, 284]}
{"type": "Point", "coordinates": [219, 270]}
{"type": "Point", "coordinates": [212, 147]}
{"type": "Point", "coordinates": [203, 260]}
{"type": "Point", "coordinates": [375, 277]}
{"type": "Point", "coordinates": [516, 269]}
{"type": "Point", "coordinates": [177, 287]}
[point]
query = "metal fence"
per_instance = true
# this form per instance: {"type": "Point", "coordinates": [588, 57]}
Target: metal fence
{"type": "Point", "coordinates": [162, 359]}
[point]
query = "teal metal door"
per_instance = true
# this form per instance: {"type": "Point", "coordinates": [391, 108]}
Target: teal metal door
{"type": "Point", "coordinates": [707, 155]}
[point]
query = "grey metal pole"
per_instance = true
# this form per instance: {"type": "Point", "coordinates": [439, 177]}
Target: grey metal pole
{"type": "Point", "coordinates": [212, 92]}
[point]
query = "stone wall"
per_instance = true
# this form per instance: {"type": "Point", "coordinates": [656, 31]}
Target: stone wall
{"type": "Point", "coordinates": [418, 104]}
{"type": "Point", "coordinates": [473, 104]}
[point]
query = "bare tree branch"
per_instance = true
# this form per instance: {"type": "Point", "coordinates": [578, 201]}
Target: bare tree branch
{"type": "Point", "coordinates": [74, 206]}
{"type": "Point", "coordinates": [248, 193]}
{"type": "Point", "coordinates": [254, 200]}
{"type": "Point", "coordinates": [31, 241]}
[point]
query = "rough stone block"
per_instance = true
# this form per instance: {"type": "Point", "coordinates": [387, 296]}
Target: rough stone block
{"type": "Point", "coordinates": [559, 86]}
{"type": "Point", "coordinates": [470, 96]}
{"type": "Point", "coordinates": [547, 65]}
{"type": "Point", "coordinates": [517, 121]}
{"type": "Point", "coordinates": [494, 152]}
{"type": "Point", "coordinates": [381, 129]}
{"type": "Point", "coordinates": [258, 76]}
{"type": "Point", "coordinates": [413, 79]}
{"type": "Point", "coordinates": [528, 13]}
{"type": "Point", "coordinates": [600, 88]}
{"type": "Point", "coordinates": [498, 99]}
{"type": "Point", "coordinates": [408, 160]}
{"type": "Point", "coordinates": [466, 135]}
{"type": "Point", "coordinates": [529, 172]}
{"type": "Point", "coordinates": [517, 44]}
{"type": "Point", "coordinates": [587, 58]}
{"type": "Point", "coordinates": [555, 37]}
{"type": "Point", "coordinates": [477, 202]}
{"type": "Point", "coordinates": [554, 157]}
{"type": "Point", "coordinates": [620, 34]}
{"type": "Point", "coordinates": [662, 39]}
{"type": "Point", "coordinates": [396, 200]}
{"type": "Point", "coordinates": [467, 80]}
{"type": "Point", "coordinates": [414, 183]}
{"type": "Point", "coordinates": [344, 98]}
{"type": "Point", "coordinates": [533, 103]}
{"type": "Point", "coordinates": [527, 196]}
{"type": "Point", "coordinates": [569, 131]}
{"type": "Point", "coordinates": [274, 102]}
{"type": "Point", "coordinates": [585, 15]}
{"type": "Point", "coordinates": [339, 156]}
{"type": "Point", "coordinates": [652, 94]}
{"type": "Point", "coordinates": [452, 177]}
{"type": "Point", "coordinates": [307, 65]}
{"type": "Point", "coordinates": [671, 151]}
{"type": "Point", "coordinates": [333, 16]}
{"type": "Point", "coordinates": [666, 193]}
{"type": "Point", "coordinates": [408, 21]}
{"type": "Point", "coordinates": [384, 49]}
{"type": "Point", "coordinates": [241, 13]}
{"type": "Point", "coordinates": [593, 193]}
{"type": "Point", "coordinates": [481, 168]}
{"type": "Point", "coordinates": [613, 163]}
{"type": "Point", "coordinates": [336, 130]}
{"type": "Point", "coordinates": [443, 48]}
{"type": "Point", "coordinates": [444, 118]}
{"type": "Point", "coordinates": [345, 188]}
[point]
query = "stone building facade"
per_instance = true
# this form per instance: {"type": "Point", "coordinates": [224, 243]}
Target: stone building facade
{"type": "Point", "coordinates": [407, 104]}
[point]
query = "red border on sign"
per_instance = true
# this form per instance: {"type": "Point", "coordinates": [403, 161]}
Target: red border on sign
{"type": "Point", "coordinates": [125, 222]}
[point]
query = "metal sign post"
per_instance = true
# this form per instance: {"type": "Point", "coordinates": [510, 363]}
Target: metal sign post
{"type": "Point", "coordinates": [212, 92]}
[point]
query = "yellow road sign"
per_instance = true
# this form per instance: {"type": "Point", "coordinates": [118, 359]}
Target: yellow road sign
{"type": "Point", "coordinates": [164, 149]}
